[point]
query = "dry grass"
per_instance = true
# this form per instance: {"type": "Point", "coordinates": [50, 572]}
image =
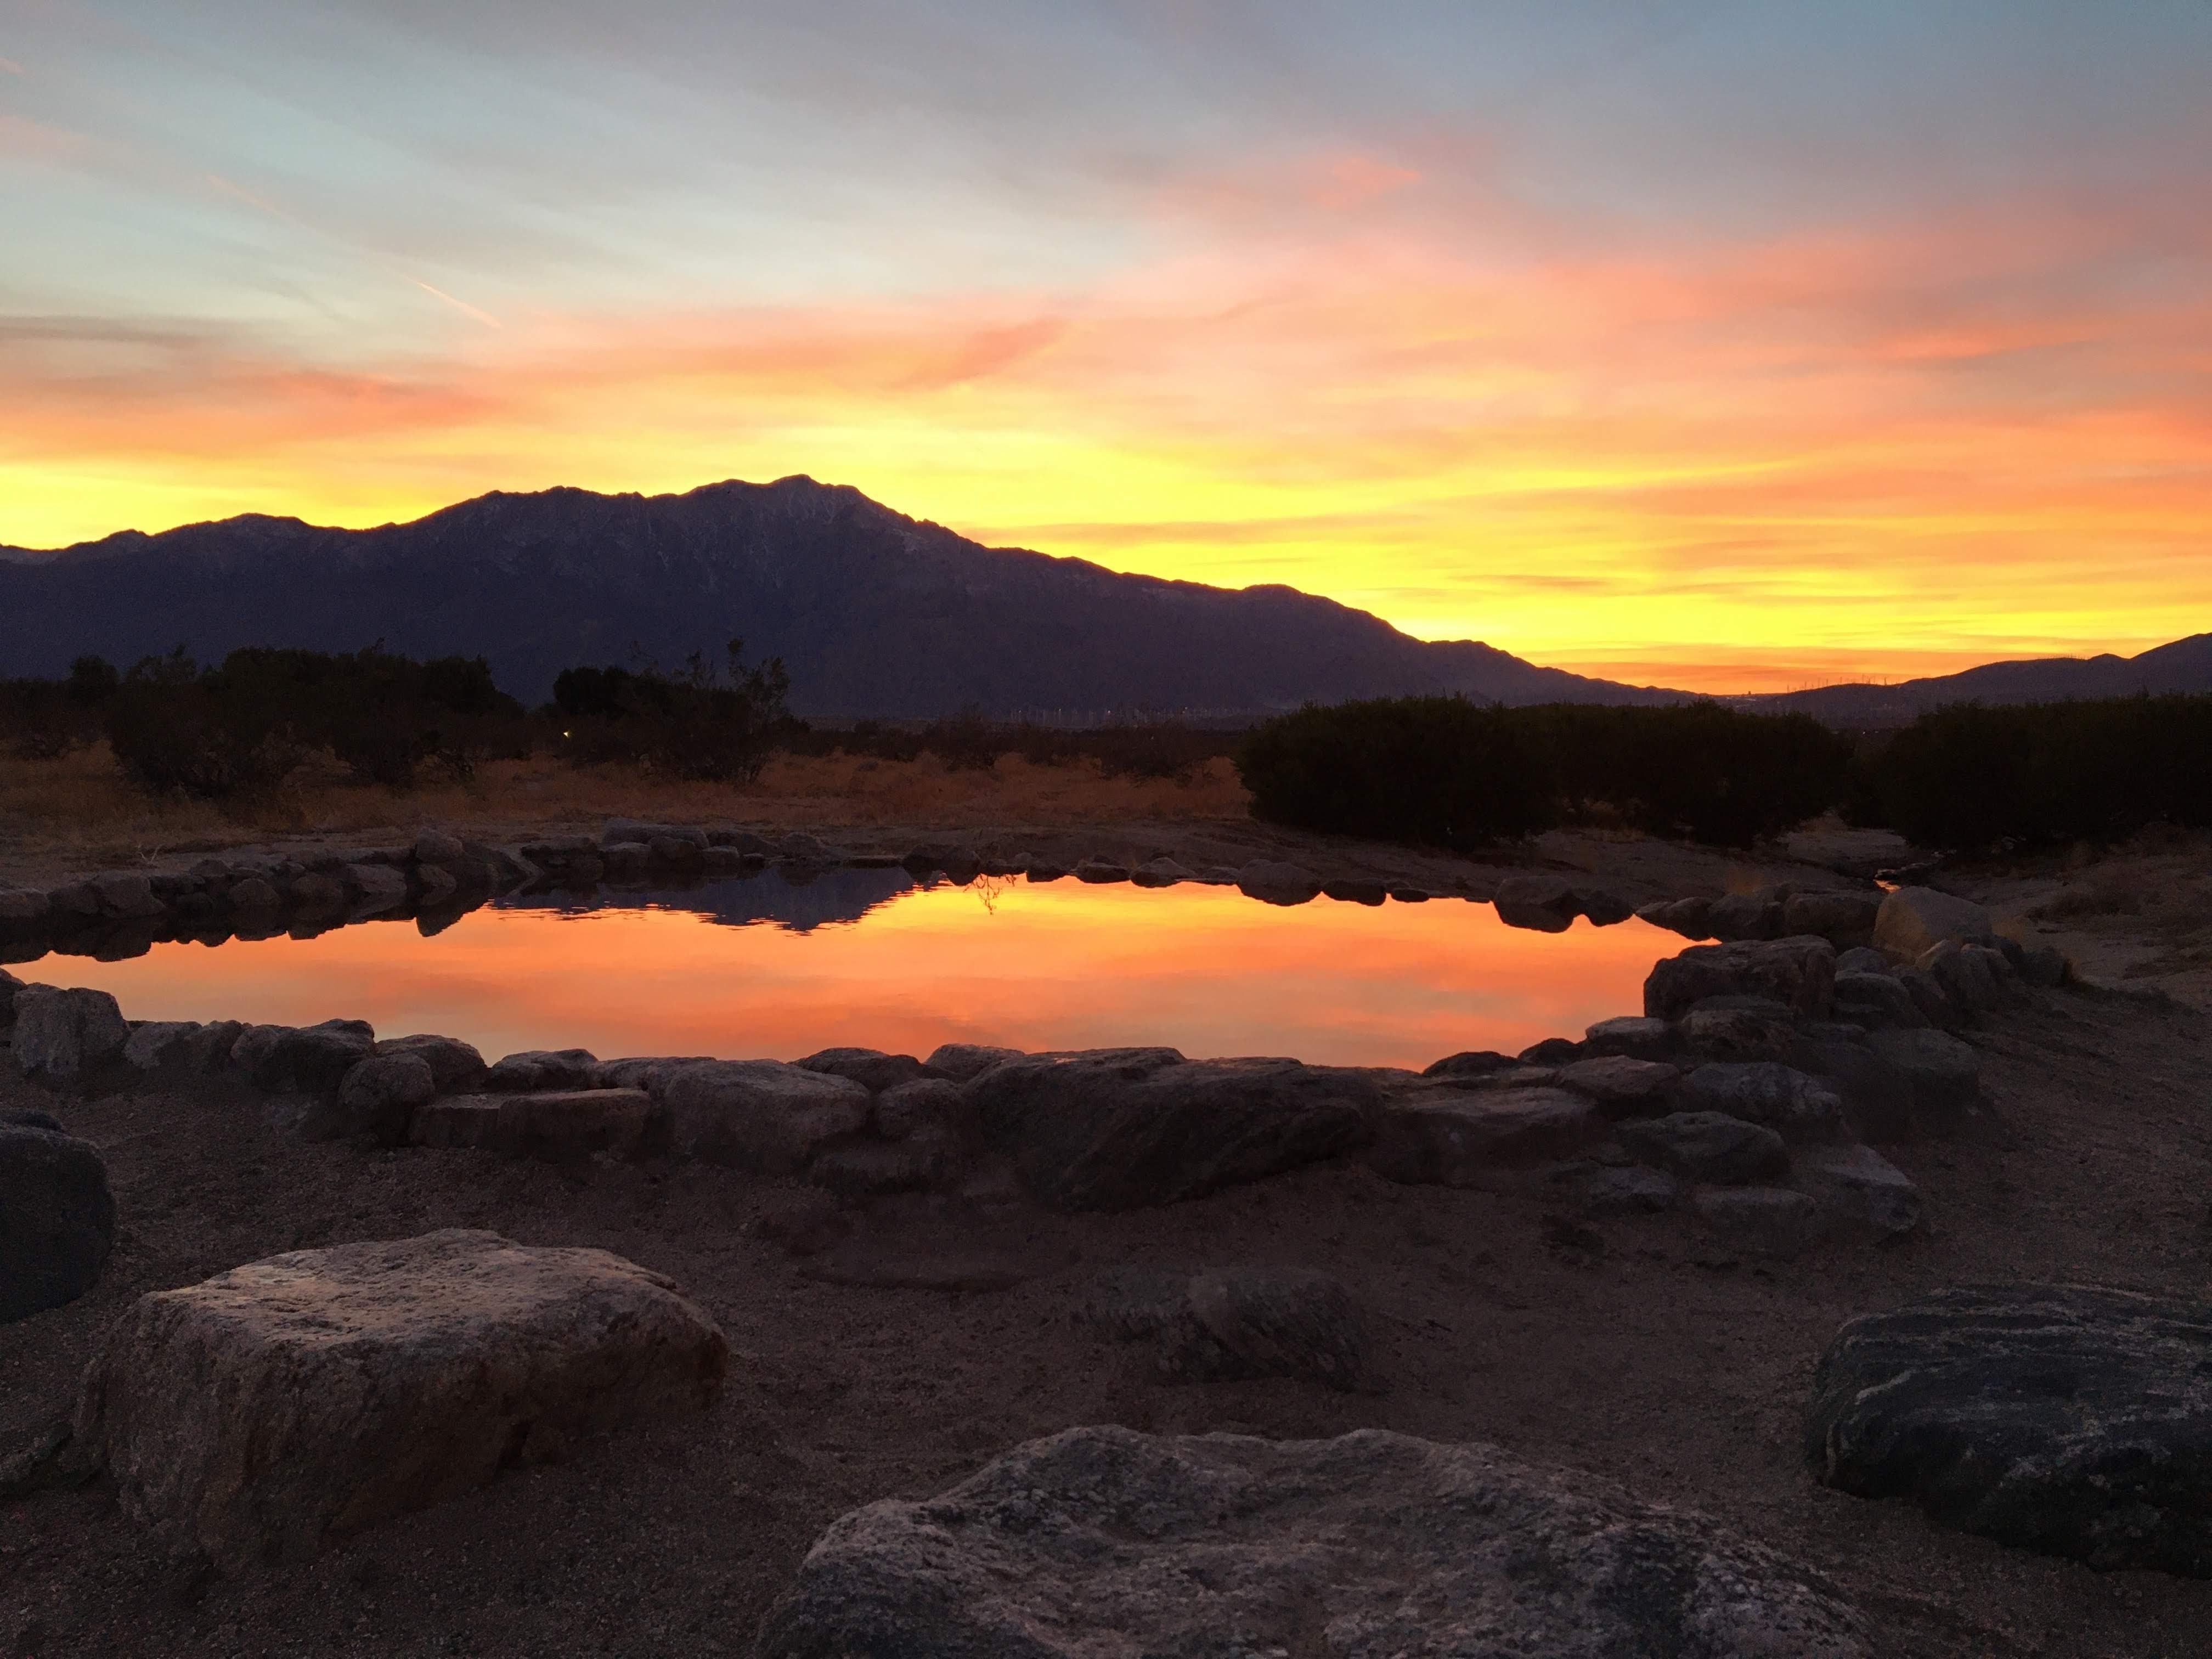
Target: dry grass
{"type": "Point", "coordinates": [82, 810]}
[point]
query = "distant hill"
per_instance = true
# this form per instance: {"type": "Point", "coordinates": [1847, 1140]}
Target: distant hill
{"type": "Point", "coordinates": [874, 613]}
{"type": "Point", "coordinates": [2184, 665]}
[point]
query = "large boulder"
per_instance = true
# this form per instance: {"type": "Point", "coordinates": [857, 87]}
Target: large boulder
{"type": "Point", "coordinates": [273, 1410]}
{"type": "Point", "coordinates": [1276, 883]}
{"type": "Point", "coordinates": [1739, 1028]}
{"type": "Point", "coordinates": [1799, 973]}
{"type": "Point", "coordinates": [538, 1069]}
{"type": "Point", "coordinates": [761, 1115]}
{"type": "Point", "coordinates": [1843, 919]}
{"type": "Point", "coordinates": [1707, 1146]}
{"type": "Point", "coordinates": [1536, 899]}
{"type": "Point", "coordinates": [1798, 1108]}
{"type": "Point", "coordinates": [1104, 1541]}
{"type": "Point", "coordinates": [1238, 1324]}
{"type": "Point", "coordinates": [2066, 1418]}
{"type": "Point", "coordinates": [1122, 1128]}
{"type": "Point", "coordinates": [378, 1096]}
{"type": "Point", "coordinates": [56, 1216]}
{"type": "Point", "coordinates": [1866, 1194]}
{"type": "Point", "coordinates": [1877, 1000]}
{"type": "Point", "coordinates": [872, 1069]}
{"type": "Point", "coordinates": [1466, 1137]}
{"type": "Point", "coordinates": [67, 1038]}
{"type": "Point", "coordinates": [1913, 920]}
{"type": "Point", "coordinates": [307, 1059]}
{"type": "Point", "coordinates": [453, 1064]}
{"type": "Point", "coordinates": [1877, 1092]}
{"type": "Point", "coordinates": [962, 1060]}
{"type": "Point", "coordinates": [1622, 1086]}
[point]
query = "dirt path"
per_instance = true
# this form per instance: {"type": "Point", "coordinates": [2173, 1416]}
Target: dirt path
{"type": "Point", "coordinates": [1653, 1359]}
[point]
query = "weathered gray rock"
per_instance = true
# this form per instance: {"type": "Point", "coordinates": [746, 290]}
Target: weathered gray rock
{"type": "Point", "coordinates": [1973, 976]}
{"type": "Point", "coordinates": [1946, 1073]}
{"type": "Point", "coordinates": [962, 1060]}
{"type": "Point", "coordinates": [1632, 1190]}
{"type": "Point", "coordinates": [747, 842]}
{"type": "Point", "coordinates": [434, 885]}
{"type": "Point", "coordinates": [1536, 899]}
{"type": "Point", "coordinates": [1863, 960]}
{"type": "Point", "coordinates": [379, 886]}
{"type": "Point", "coordinates": [1469, 1138]}
{"type": "Point", "coordinates": [125, 893]}
{"type": "Point", "coordinates": [1275, 882]}
{"type": "Point", "coordinates": [307, 1059]}
{"type": "Point", "coordinates": [1238, 1324]}
{"type": "Point", "coordinates": [1100, 871]}
{"type": "Point", "coordinates": [1876, 1093]}
{"type": "Point", "coordinates": [872, 1068]}
{"type": "Point", "coordinates": [1622, 1086]}
{"type": "Point", "coordinates": [156, 1044]}
{"type": "Point", "coordinates": [1738, 1028]}
{"type": "Point", "coordinates": [1799, 1109]}
{"type": "Point", "coordinates": [1471, 1063]}
{"type": "Point", "coordinates": [378, 1096]}
{"type": "Point", "coordinates": [57, 1215]}
{"type": "Point", "coordinates": [1104, 1541]}
{"type": "Point", "coordinates": [2065, 1418]}
{"type": "Point", "coordinates": [1746, 916]}
{"type": "Point", "coordinates": [1636, 1036]}
{"type": "Point", "coordinates": [1354, 890]}
{"type": "Point", "coordinates": [1914, 920]}
{"type": "Point", "coordinates": [1601, 906]}
{"type": "Point", "coordinates": [1868, 1196]}
{"type": "Point", "coordinates": [274, 1410]}
{"type": "Point", "coordinates": [1121, 1129]}
{"type": "Point", "coordinates": [67, 1038]}
{"type": "Point", "coordinates": [1769, 1221]}
{"type": "Point", "coordinates": [23, 907]}
{"type": "Point", "coordinates": [761, 1115]}
{"type": "Point", "coordinates": [319, 895]}
{"type": "Point", "coordinates": [1844, 920]}
{"type": "Point", "coordinates": [1875, 999]}
{"type": "Point", "coordinates": [1159, 872]}
{"type": "Point", "coordinates": [901, 1110]}
{"type": "Point", "coordinates": [1707, 1146]}
{"type": "Point", "coordinates": [803, 848]}
{"type": "Point", "coordinates": [433, 846]}
{"type": "Point", "coordinates": [536, 1070]}
{"type": "Point", "coordinates": [1799, 973]}
{"type": "Point", "coordinates": [1690, 917]}
{"type": "Point", "coordinates": [453, 1064]}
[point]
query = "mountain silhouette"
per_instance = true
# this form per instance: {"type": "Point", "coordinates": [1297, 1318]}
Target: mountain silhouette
{"type": "Point", "coordinates": [873, 613]}
{"type": "Point", "coordinates": [2183, 665]}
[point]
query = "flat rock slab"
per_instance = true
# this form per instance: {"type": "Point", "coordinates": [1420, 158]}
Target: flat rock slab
{"type": "Point", "coordinates": [1462, 1138]}
{"type": "Point", "coordinates": [1375, 1545]}
{"type": "Point", "coordinates": [274, 1410]}
{"type": "Point", "coordinates": [1123, 1129]}
{"type": "Point", "coordinates": [2064, 1419]}
{"type": "Point", "coordinates": [761, 1115]}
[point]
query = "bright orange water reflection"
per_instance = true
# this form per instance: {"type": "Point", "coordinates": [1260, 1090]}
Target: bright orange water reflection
{"type": "Point", "coordinates": [1060, 966]}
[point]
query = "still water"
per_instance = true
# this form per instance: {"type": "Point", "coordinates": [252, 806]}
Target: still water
{"type": "Point", "coordinates": [872, 958]}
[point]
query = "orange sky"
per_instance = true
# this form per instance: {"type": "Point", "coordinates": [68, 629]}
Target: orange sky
{"type": "Point", "coordinates": [1771, 397]}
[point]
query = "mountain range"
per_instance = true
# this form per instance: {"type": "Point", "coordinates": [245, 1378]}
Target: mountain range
{"type": "Point", "coordinates": [872, 612]}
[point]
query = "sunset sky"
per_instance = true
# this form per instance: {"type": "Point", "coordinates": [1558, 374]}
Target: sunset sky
{"type": "Point", "coordinates": [1733, 346]}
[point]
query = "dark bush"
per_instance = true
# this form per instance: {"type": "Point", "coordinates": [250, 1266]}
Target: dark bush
{"type": "Point", "coordinates": [1446, 772]}
{"type": "Point", "coordinates": [706, 722]}
{"type": "Point", "coordinates": [175, 730]}
{"type": "Point", "coordinates": [1969, 776]}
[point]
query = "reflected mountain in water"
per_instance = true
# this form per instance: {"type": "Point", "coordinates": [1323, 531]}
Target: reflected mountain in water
{"type": "Point", "coordinates": [794, 899]}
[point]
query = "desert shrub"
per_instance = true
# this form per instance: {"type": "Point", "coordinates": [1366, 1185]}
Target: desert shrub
{"type": "Point", "coordinates": [46, 720]}
{"type": "Point", "coordinates": [1969, 776]}
{"type": "Point", "coordinates": [1450, 773]}
{"type": "Point", "coordinates": [175, 730]}
{"type": "Point", "coordinates": [706, 722]}
{"type": "Point", "coordinates": [1439, 771]}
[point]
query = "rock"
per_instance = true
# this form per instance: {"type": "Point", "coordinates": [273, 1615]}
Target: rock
{"type": "Point", "coordinates": [871, 1068]}
{"type": "Point", "coordinates": [319, 895]}
{"type": "Point", "coordinates": [937, 855]}
{"type": "Point", "coordinates": [905, 1106]}
{"type": "Point", "coordinates": [1345, 890]}
{"type": "Point", "coordinates": [39, 1460]}
{"type": "Point", "coordinates": [156, 1044]}
{"type": "Point", "coordinates": [57, 1215]}
{"type": "Point", "coordinates": [254, 895]}
{"type": "Point", "coordinates": [1863, 960]}
{"type": "Point", "coordinates": [1121, 1129]}
{"type": "Point", "coordinates": [761, 1115]}
{"type": "Point", "coordinates": [1972, 975]}
{"type": "Point", "coordinates": [437, 884]}
{"type": "Point", "coordinates": [1100, 870]}
{"type": "Point", "coordinates": [1552, 1051]}
{"type": "Point", "coordinates": [962, 1060]}
{"type": "Point", "coordinates": [1472, 1063]}
{"type": "Point", "coordinates": [1106, 1541]}
{"type": "Point", "coordinates": [1239, 1324]}
{"type": "Point", "coordinates": [1707, 1146]}
{"type": "Point", "coordinates": [1273, 882]}
{"type": "Point", "coordinates": [1876, 1093]}
{"type": "Point", "coordinates": [1632, 1190]}
{"type": "Point", "coordinates": [22, 907]}
{"type": "Point", "coordinates": [720, 863]}
{"type": "Point", "coordinates": [1867, 1195]}
{"type": "Point", "coordinates": [1622, 1086]}
{"type": "Point", "coordinates": [9, 986]}
{"type": "Point", "coordinates": [122, 893]}
{"type": "Point", "coordinates": [1769, 1221]}
{"type": "Point", "coordinates": [1799, 973]}
{"type": "Point", "coordinates": [1739, 1028]}
{"type": "Point", "coordinates": [558, 1125]}
{"type": "Point", "coordinates": [1159, 872]}
{"type": "Point", "coordinates": [437, 847]}
{"type": "Point", "coordinates": [1746, 916]}
{"type": "Point", "coordinates": [1798, 1108]}
{"type": "Point", "coordinates": [1603, 907]}
{"type": "Point", "coordinates": [378, 1096]}
{"type": "Point", "coordinates": [1874, 1000]}
{"type": "Point", "coordinates": [1842, 918]}
{"type": "Point", "coordinates": [381, 887]}
{"type": "Point", "coordinates": [745, 843]}
{"type": "Point", "coordinates": [803, 848]}
{"type": "Point", "coordinates": [76, 898]}
{"type": "Point", "coordinates": [536, 1070]}
{"type": "Point", "coordinates": [651, 1072]}
{"type": "Point", "coordinates": [67, 1038]}
{"type": "Point", "coordinates": [1455, 1137]}
{"type": "Point", "coordinates": [620, 832]}
{"type": "Point", "coordinates": [2045, 967]}
{"type": "Point", "coordinates": [453, 1064]}
{"type": "Point", "coordinates": [1636, 1036]}
{"type": "Point", "coordinates": [1946, 1073]}
{"type": "Point", "coordinates": [2065, 1418]}
{"type": "Point", "coordinates": [1690, 917]}
{"type": "Point", "coordinates": [307, 1059]}
{"type": "Point", "coordinates": [1536, 900]}
{"type": "Point", "coordinates": [1043, 870]}
{"type": "Point", "coordinates": [1914, 920]}
{"type": "Point", "coordinates": [272, 1411]}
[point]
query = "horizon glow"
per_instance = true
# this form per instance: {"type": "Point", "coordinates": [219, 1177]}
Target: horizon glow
{"type": "Point", "coordinates": [1703, 344]}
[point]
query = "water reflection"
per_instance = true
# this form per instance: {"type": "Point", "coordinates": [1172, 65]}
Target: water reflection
{"type": "Point", "coordinates": [881, 959]}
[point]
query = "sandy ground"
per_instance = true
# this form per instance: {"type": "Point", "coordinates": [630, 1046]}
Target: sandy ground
{"type": "Point", "coordinates": [1655, 1360]}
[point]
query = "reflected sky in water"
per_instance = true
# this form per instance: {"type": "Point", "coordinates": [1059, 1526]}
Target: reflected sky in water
{"type": "Point", "coordinates": [873, 959]}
